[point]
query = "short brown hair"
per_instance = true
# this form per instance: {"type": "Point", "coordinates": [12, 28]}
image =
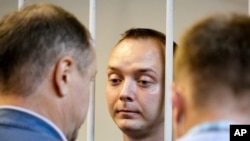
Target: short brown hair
{"type": "Point", "coordinates": [137, 33]}
{"type": "Point", "coordinates": [143, 33]}
{"type": "Point", "coordinates": [216, 52]}
{"type": "Point", "coordinates": [33, 40]}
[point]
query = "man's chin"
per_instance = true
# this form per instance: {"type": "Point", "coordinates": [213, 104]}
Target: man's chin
{"type": "Point", "coordinates": [135, 132]}
{"type": "Point", "coordinates": [130, 125]}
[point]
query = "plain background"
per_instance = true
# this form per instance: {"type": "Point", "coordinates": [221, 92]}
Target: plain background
{"type": "Point", "coordinates": [116, 16]}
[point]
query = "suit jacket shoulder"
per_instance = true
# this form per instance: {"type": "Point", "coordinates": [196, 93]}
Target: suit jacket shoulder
{"type": "Point", "coordinates": [20, 126]}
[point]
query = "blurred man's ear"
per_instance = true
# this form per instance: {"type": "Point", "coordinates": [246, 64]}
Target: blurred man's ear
{"type": "Point", "coordinates": [178, 105]}
{"type": "Point", "coordinates": [62, 75]}
{"type": "Point", "coordinates": [178, 109]}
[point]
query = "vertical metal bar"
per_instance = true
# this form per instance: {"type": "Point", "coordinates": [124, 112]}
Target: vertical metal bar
{"type": "Point", "coordinates": [169, 71]}
{"type": "Point", "coordinates": [91, 111]}
{"type": "Point", "coordinates": [20, 4]}
{"type": "Point", "coordinates": [248, 7]}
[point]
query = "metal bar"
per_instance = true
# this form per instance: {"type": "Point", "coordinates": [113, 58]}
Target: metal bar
{"type": "Point", "coordinates": [248, 7]}
{"type": "Point", "coordinates": [91, 111]}
{"type": "Point", "coordinates": [169, 71]}
{"type": "Point", "coordinates": [20, 4]}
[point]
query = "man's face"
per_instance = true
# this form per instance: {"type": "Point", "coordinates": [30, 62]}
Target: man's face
{"type": "Point", "coordinates": [135, 85]}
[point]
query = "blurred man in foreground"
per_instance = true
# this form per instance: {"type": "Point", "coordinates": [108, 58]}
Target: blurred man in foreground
{"type": "Point", "coordinates": [46, 65]}
{"type": "Point", "coordinates": [211, 87]}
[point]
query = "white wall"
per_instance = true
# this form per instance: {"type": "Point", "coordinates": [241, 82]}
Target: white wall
{"type": "Point", "coordinates": [116, 16]}
{"type": "Point", "coordinates": [189, 11]}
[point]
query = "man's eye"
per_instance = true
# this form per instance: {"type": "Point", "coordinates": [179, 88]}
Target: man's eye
{"type": "Point", "coordinates": [115, 81]}
{"type": "Point", "coordinates": [144, 83]}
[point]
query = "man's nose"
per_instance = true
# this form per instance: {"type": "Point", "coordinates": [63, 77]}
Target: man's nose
{"type": "Point", "coordinates": [128, 91]}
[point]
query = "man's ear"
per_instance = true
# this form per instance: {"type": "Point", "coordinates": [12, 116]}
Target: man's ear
{"type": "Point", "coordinates": [62, 75]}
{"type": "Point", "coordinates": [178, 103]}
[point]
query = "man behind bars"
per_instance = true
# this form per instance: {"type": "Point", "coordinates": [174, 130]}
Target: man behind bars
{"type": "Point", "coordinates": [135, 87]}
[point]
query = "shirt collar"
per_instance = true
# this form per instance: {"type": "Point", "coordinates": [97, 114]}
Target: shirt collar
{"type": "Point", "coordinates": [215, 126]}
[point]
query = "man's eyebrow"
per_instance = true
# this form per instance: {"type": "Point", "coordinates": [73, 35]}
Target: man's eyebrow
{"type": "Point", "coordinates": [144, 70]}
{"type": "Point", "coordinates": [112, 68]}
{"type": "Point", "coordinates": [139, 70]}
